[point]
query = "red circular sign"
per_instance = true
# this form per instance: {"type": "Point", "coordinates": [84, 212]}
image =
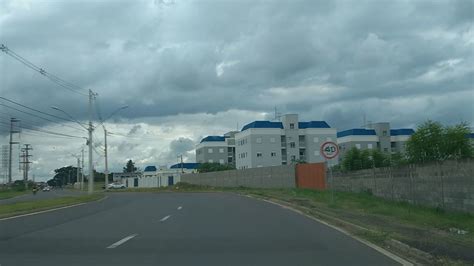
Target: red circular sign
{"type": "Point", "coordinates": [329, 150]}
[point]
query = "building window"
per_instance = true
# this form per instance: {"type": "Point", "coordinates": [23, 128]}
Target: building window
{"type": "Point", "coordinates": [292, 145]}
{"type": "Point", "coordinates": [293, 157]}
{"type": "Point", "coordinates": [259, 140]}
{"type": "Point", "coordinates": [385, 149]}
{"type": "Point", "coordinates": [273, 154]}
{"type": "Point", "coordinates": [316, 153]}
{"type": "Point", "coordinates": [211, 161]}
{"type": "Point", "coordinates": [272, 140]}
{"type": "Point", "coordinates": [369, 146]}
{"type": "Point", "coordinates": [384, 133]}
{"type": "Point", "coordinates": [328, 139]}
{"type": "Point", "coordinates": [221, 161]}
{"type": "Point", "coordinates": [292, 126]}
{"type": "Point", "coordinates": [315, 139]}
{"type": "Point", "coordinates": [229, 159]}
{"type": "Point", "coordinates": [221, 150]}
{"type": "Point", "coordinates": [259, 154]}
{"type": "Point", "coordinates": [209, 150]}
{"type": "Point", "coordinates": [358, 146]}
{"type": "Point", "coordinates": [283, 163]}
{"type": "Point", "coordinates": [393, 144]}
{"type": "Point", "coordinates": [301, 152]}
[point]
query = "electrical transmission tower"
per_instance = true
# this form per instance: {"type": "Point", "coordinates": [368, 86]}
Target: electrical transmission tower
{"type": "Point", "coordinates": [5, 163]}
{"type": "Point", "coordinates": [25, 156]}
{"type": "Point", "coordinates": [14, 129]}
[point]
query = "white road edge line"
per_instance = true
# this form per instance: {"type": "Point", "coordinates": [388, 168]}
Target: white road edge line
{"type": "Point", "coordinates": [120, 242]}
{"type": "Point", "coordinates": [165, 218]}
{"type": "Point", "coordinates": [385, 252]}
{"type": "Point", "coordinates": [50, 210]}
{"type": "Point", "coordinates": [179, 208]}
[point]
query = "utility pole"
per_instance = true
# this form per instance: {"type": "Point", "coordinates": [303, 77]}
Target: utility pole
{"type": "Point", "coordinates": [12, 121]}
{"type": "Point", "coordinates": [26, 162]}
{"type": "Point", "coordinates": [82, 169]}
{"type": "Point", "coordinates": [106, 162]}
{"type": "Point", "coordinates": [90, 129]}
{"type": "Point", "coordinates": [77, 170]}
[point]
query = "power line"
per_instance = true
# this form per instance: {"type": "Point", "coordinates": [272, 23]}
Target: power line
{"type": "Point", "coordinates": [32, 109]}
{"type": "Point", "coordinates": [49, 120]}
{"type": "Point", "coordinates": [45, 131]}
{"type": "Point", "coordinates": [65, 84]}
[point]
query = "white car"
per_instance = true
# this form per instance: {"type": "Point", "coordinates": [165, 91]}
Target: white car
{"type": "Point", "coordinates": [46, 189]}
{"type": "Point", "coordinates": [116, 186]}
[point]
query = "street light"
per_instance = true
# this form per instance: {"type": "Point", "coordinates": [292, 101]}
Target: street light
{"type": "Point", "coordinates": [105, 144]}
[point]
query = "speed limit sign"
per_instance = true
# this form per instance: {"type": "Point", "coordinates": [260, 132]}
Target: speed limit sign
{"type": "Point", "coordinates": [329, 150]}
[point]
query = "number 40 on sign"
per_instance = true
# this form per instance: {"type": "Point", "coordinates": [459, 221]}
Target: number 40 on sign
{"type": "Point", "coordinates": [329, 150]}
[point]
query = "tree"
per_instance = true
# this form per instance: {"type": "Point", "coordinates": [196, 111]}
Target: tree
{"type": "Point", "coordinates": [214, 167]}
{"type": "Point", "coordinates": [434, 142]}
{"type": "Point", "coordinates": [64, 176]}
{"type": "Point", "coordinates": [130, 167]}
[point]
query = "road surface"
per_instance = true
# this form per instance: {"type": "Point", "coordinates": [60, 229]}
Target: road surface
{"type": "Point", "coordinates": [54, 193]}
{"type": "Point", "coordinates": [178, 229]}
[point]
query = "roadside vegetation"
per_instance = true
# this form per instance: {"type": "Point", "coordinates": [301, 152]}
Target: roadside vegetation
{"type": "Point", "coordinates": [13, 209]}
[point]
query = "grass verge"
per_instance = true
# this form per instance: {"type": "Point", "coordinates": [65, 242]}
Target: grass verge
{"type": "Point", "coordinates": [6, 194]}
{"type": "Point", "coordinates": [13, 209]}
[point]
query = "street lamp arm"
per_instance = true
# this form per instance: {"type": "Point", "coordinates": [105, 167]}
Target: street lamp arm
{"type": "Point", "coordinates": [113, 113]}
{"type": "Point", "coordinates": [68, 115]}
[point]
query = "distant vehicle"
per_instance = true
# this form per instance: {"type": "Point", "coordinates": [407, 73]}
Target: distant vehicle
{"type": "Point", "coordinates": [116, 186]}
{"type": "Point", "coordinates": [46, 189]}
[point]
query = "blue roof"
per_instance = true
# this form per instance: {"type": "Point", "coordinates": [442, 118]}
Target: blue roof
{"type": "Point", "coordinates": [150, 168]}
{"type": "Point", "coordinates": [313, 124]}
{"type": "Point", "coordinates": [356, 132]}
{"type": "Point", "coordinates": [263, 124]}
{"type": "Point", "coordinates": [402, 132]}
{"type": "Point", "coordinates": [269, 124]}
{"type": "Point", "coordinates": [213, 138]}
{"type": "Point", "coordinates": [185, 166]}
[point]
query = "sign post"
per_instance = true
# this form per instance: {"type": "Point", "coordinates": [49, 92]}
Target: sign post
{"type": "Point", "coordinates": [330, 150]}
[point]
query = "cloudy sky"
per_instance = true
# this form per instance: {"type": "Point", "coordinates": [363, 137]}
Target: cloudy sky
{"type": "Point", "coordinates": [188, 69]}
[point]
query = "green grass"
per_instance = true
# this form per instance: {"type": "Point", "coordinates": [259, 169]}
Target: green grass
{"type": "Point", "coordinates": [368, 204]}
{"type": "Point", "coordinates": [5, 194]}
{"type": "Point", "coordinates": [13, 209]}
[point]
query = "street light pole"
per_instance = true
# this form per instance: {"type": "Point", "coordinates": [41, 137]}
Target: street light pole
{"type": "Point", "coordinates": [106, 162]}
{"type": "Point", "coordinates": [82, 169]}
{"type": "Point", "coordinates": [91, 169]}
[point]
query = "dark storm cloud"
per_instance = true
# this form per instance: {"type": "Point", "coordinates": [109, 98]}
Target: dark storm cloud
{"type": "Point", "coordinates": [322, 59]}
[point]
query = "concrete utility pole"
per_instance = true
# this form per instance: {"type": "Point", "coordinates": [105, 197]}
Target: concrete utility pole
{"type": "Point", "coordinates": [12, 121]}
{"type": "Point", "coordinates": [182, 170]}
{"type": "Point", "coordinates": [106, 162]}
{"type": "Point", "coordinates": [77, 170]}
{"type": "Point", "coordinates": [90, 129]}
{"type": "Point", "coordinates": [82, 169]}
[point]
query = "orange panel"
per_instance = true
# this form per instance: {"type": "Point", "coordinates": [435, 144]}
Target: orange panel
{"type": "Point", "coordinates": [311, 175]}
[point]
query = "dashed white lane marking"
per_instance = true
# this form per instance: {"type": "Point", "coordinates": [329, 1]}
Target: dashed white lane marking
{"type": "Point", "coordinates": [120, 242]}
{"type": "Point", "coordinates": [179, 208]}
{"type": "Point", "coordinates": [165, 218]}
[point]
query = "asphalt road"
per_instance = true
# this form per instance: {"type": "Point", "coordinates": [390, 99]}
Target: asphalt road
{"type": "Point", "coordinates": [54, 193]}
{"type": "Point", "coordinates": [178, 229]}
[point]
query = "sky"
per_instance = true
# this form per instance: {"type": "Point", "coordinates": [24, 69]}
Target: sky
{"type": "Point", "coordinates": [187, 69]}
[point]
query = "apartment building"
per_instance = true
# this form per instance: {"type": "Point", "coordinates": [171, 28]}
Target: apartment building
{"type": "Point", "coordinates": [217, 149]}
{"type": "Point", "coordinates": [266, 143]}
{"type": "Point", "coordinates": [375, 136]}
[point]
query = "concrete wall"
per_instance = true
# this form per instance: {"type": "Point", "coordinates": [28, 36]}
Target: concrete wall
{"type": "Point", "coordinates": [265, 177]}
{"type": "Point", "coordinates": [448, 185]}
